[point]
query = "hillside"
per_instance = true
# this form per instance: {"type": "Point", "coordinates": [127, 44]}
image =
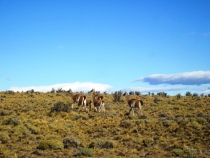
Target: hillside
{"type": "Point", "coordinates": [168, 127]}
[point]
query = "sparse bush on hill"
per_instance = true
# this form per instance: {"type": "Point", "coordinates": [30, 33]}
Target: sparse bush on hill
{"type": "Point", "coordinates": [169, 127]}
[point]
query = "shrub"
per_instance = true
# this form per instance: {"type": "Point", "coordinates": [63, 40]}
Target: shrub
{"type": "Point", "coordinates": [60, 106]}
{"type": "Point", "coordinates": [53, 137]}
{"type": "Point", "coordinates": [32, 128]}
{"type": "Point", "coordinates": [102, 144]}
{"type": "Point", "coordinates": [4, 137]}
{"type": "Point", "coordinates": [71, 142]}
{"type": "Point", "coordinates": [117, 96]}
{"type": "Point", "coordinates": [178, 152]}
{"type": "Point", "coordinates": [78, 117]}
{"type": "Point", "coordinates": [196, 125]}
{"type": "Point", "coordinates": [137, 93]}
{"type": "Point", "coordinates": [126, 124]}
{"type": "Point", "coordinates": [85, 152]}
{"type": "Point", "coordinates": [188, 93]}
{"type": "Point", "coordinates": [50, 144]}
{"type": "Point", "coordinates": [178, 96]}
{"type": "Point", "coordinates": [12, 120]}
{"type": "Point", "coordinates": [9, 92]}
{"type": "Point", "coordinates": [131, 93]}
{"type": "Point", "coordinates": [191, 153]}
{"type": "Point", "coordinates": [21, 130]}
{"type": "Point", "coordinates": [148, 141]}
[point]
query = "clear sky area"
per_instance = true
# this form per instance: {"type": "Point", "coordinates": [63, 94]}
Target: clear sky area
{"type": "Point", "coordinates": [129, 45]}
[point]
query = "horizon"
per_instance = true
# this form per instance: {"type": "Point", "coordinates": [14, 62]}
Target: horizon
{"type": "Point", "coordinates": [146, 46]}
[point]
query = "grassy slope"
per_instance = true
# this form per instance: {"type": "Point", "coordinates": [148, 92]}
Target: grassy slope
{"type": "Point", "coordinates": [168, 124]}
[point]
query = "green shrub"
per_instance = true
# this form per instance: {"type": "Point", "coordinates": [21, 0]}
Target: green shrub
{"type": "Point", "coordinates": [32, 128]}
{"type": "Point", "coordinates": [71, 142]}
{"type": "Point", "coordinates": [12, 120]}
{"type": "Point", "coordinates": [4, 137]}
{"type": "Point", "coordinates": [178, 152]}
{"type": "Point", "coordinates": [102, 144]}
{"type": "Point", "coordinates": [85, 152]}
{"type": "Point", "coordinates": [50, 144]}
{"type": "Point", "coordinates": [53, 137]}
{"type": "Point", "coordinates": [61, 106]}
{"type": "Point", "coordinates": [196, 125]}
{"type": "Point", "coordinates": [191, 153]}
{"type": "Point", "coordinates": [21, 130]}
{"type": "Point", "coordinates": [78, 117]}
{"type": "Point", "coordinates": [148, 141]}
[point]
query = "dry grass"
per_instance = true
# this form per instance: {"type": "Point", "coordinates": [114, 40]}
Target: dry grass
{"type": "Point", "coordinates": [169, 127]}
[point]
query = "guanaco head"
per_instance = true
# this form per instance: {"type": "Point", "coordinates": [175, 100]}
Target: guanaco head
{"type": "Point", "coordinates": [70, 91]}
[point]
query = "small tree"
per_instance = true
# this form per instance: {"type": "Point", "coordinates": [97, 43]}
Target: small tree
{"type": "Point", "coordinates": [117, 96]}
{"type": "Point", "coordinates": [178, 96]}
{"type": "Point", "coordinates": [53, 90]}
{"type": "Point", "coordinates": [131, 93]}
{"type": "Point", "coordinates": [188, 93]}
{"type": "Point", "coordinates": [137, 93]}
{"type": "Point", "coordinates": [163, 94]}
{"type": "Point", "coordinates": [195, 95]}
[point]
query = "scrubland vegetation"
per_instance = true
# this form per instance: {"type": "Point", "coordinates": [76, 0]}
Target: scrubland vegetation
{"type": "Point", "coordinates": [34, 124]}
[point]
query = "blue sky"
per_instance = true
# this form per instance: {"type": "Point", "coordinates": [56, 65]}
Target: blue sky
{"type": "Point", "coordinates": [143, 45]}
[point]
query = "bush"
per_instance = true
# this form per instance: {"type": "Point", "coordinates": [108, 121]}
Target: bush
{"type": "Point", "coordinates": [60, 106]}
{"type": "Point", "coordinates": [71, 142]}
{"type": "Point", "coordinates": [148, 141]}
{"type": "Point", "coordinates": [9, 92]}
{"type": "Point", "coordinates": [50, 144]}
{"type": "Point", "coordinates": [102, 144]}
{"type": "Point", "coordinates": [12, 120]}
{"type": "Point", "coordinates": [21, 130]}
{"type": "Point", "coordinates": [117, 96]}
{"type": "Point", "coordinates": [178, 152]}
{"type": "Point", "coordinates": [126, 124]}
{"type": "Point", "coordinates": [32, 128]}
{"type": "Point", "coordinates": [4, 137]}
{"type": "Point", "coordinates": [77, 117]}
{"type": "Point", "coordinates": [85, 152]}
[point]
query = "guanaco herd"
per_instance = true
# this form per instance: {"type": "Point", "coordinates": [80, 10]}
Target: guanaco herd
{"type": "Point", "coordinates": [98, 102]}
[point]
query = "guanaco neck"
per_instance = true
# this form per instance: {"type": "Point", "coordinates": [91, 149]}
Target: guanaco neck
{"type": "Point", "coordinates": [71, 94]}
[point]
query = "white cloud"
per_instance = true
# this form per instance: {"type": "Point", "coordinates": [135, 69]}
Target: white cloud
{"type": "Point", "coordinates": [76, 86]}
{"type": "Point", "coordinates": [155, 89]}
{"type": "Point", "coordinates": [186, 78]}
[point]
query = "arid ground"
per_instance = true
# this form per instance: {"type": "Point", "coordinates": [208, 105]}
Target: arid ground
{"type": "Point", "coordinates": [36, 124]}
